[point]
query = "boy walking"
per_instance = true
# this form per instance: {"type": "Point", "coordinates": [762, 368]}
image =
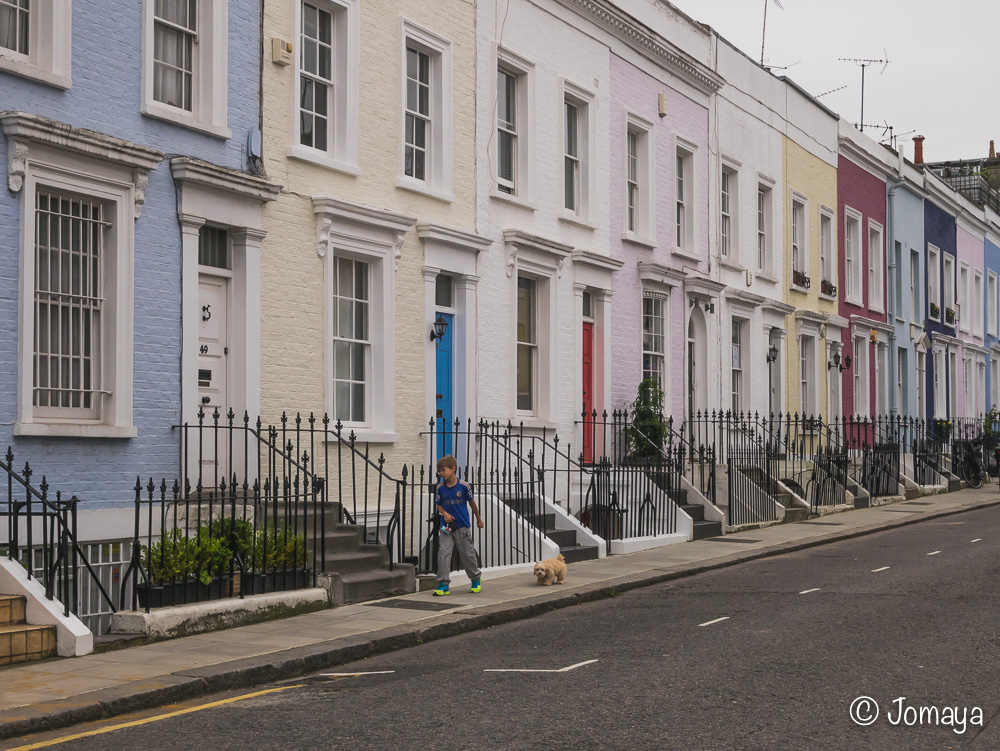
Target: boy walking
{"type": "Point", "coordinates": [453, 499]}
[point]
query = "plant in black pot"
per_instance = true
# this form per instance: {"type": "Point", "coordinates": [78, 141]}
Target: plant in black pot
{"type": "Point", "coordinates": [279, 559]}
{"type": "Point", "coordinates": [182, 569]}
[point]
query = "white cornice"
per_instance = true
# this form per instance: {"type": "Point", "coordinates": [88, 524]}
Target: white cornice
{"type": "Point", "coordinates": [744, 299]}
{"type": "Point", "coordinates": [549, 252]}
{"type": "Point", "coordinates": [871, 323]}
{"type": "Point", "coordinates": [441, 235]}
{"type": "Point", "coordinates": [332, 213]}
{"type": "Point", "coordinates": [776, 306]}
{"type": "Point", "coordinates": [652, 271]}
{"type": "Point", "coordinates": [189, 170]}
{"type": "Point", "coordinates": [596, 260]}
{"type": "Point", "coordinates": [647, 42]}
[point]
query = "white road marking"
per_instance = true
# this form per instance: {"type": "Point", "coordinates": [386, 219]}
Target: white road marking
{"type": "Point", "coordinates": [535, 670]}
{"type": "Point", "coordinates": [355, 675]}
{"type": "Point", "coordinates": [934, 553]}
{"type": "Point", "coordinates": [978, 539]}
{"type": "Point", "coordinates": [876, 570]}
{"type": "Point", "coordinates": [717, 620]}
{"type": "Point", "coordinates": [807, 591]}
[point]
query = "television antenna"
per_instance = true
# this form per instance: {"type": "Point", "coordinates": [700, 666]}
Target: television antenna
{"type": "Point", "coordinates": [830, 91]}
{"type": "Point", "coordinates": [764, 29]}
{"type": "Point", "coordinates": [864, 62]}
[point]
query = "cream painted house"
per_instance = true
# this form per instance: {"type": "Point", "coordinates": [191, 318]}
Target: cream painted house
{"type": "Point", "coordinates": [369, 124]}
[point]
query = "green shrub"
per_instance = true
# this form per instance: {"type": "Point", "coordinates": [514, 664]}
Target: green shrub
{"type": "Point", "coordinates": [238, 534]}
{"type": "Point", "coordinates": [277, 548]}
{"type": "Point", "coordinates": [646, 432]}
{"type": "Point", "coordinates": [177, 557]}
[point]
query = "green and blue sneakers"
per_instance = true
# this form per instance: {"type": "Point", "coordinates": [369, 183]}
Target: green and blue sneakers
{"type": "Point", "coordinates": [442, 590]}
{"type": "Point", "coordinates": [477, 585]}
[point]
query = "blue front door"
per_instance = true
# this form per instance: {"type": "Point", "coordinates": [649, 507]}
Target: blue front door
{"type": "Point", "coordinates": [445, 409]}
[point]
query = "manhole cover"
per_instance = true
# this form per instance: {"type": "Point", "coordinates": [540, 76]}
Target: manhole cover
{"type": "Point", "coordinates": [413, 605]}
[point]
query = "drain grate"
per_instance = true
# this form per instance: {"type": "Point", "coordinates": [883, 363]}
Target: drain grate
{"type": "Point", "coordinates": [413, 605]}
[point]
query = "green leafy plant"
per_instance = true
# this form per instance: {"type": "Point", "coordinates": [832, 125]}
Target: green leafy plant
{"type": "Point", "coordinates": [238, 534]}
{"type": "Point", "coordinates": [176, 557]}
{"type": "Point", "coordinates": [646, 432]}
{"type": "Point", "coordinates": [942, 429]}
{"type": "Point", "coordinates": [991, 428]}
{"type": "Point", "coordinates": [277, 548]}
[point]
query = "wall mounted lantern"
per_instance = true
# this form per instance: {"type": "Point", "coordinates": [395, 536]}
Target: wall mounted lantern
{"type": "Point", "coordinates": [440, 328]}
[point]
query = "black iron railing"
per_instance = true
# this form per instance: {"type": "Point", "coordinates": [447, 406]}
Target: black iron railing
{"type": "Point", "coordinates": [42, 537]}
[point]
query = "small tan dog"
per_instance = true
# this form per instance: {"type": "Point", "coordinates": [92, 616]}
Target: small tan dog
{"type": "Point", "coordinates": [551, 570]}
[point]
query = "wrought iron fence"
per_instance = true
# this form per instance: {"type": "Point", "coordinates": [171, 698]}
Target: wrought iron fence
{"type": "Point", "coordinates": [41, 535]}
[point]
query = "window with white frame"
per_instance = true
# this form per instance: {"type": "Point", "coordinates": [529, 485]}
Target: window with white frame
{"type": "Point", "coordinates": [807, 375]}
{"type": "Point", "coordinates": [185, 58]}
{"type": "Point", "coordinates": [977, 303]}
{"type": "Point", "coordinates": [826, 246]}
{"type": "Point", "coordinates": [763, 227]}
{"type": "Point", "coordinates": [964, 298]}
{"type": "Point", "coordinates": [35, 39]}
{"type": "Point", "coordinates": [934, 283]}
{"type": "Point", "coordinates": [427, 112]}
{"type": "Point", "coordinates": [897, 279]}
{"type": "Point", "coordinates": [800, 261]}
{"type": "Point", "coordinates": [684, 199]}
{"type": "Point", "coordinates": [921, 384]}
{"type": "Point", "coordinates": [861, 398]}
{"type": "Point", "coordinates": [737, 364]}
{"type": "Point", "coordinates": [639, 207]}
{"type": "Point", "coordinates": [949, 289]}
{"type": "Point", "coordinates": [952, 358]}
{"type": "Point", "coordinates": [902, 377]}
{"type": "Point", "coordinates": [729, 204]}
{"type": "Point", "coordinates": [571, 156]}
{"type": "Point", "coordinates": [654, 337]}
{"type": "Point", "coordinates": [916, 308]}
{"type": "Point", "coordinates": [577, 111]}
{"type": "Point", "coordinates": [527, 344]}
{"type": "Point", "coordinates": [940, 404]}
{"type": "Point", "coordinates": [512, 141]}
{"type": "Point", "coordinates": [852, 257]}
{"type": "Point", "coordinates": [979, 404]}
{"type": "Point", "coordinates": [876, 267]}
{"type": "Point", "coordinates": [351, 340]}
{"type": "Point", "coordinates": [991, 303]}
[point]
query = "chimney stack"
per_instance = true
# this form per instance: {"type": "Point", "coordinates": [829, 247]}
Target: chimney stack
{"type": "Point", "coordinates": [918, 149]}
{"type": "Point", "coordinates": [993, 151]}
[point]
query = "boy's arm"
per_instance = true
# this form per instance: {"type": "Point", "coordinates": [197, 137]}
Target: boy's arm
{"type": "Point", "coordinates": [475, 511]}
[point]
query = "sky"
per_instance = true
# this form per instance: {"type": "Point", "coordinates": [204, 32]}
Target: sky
{"type": "Point", "coordinates": [942, 81]}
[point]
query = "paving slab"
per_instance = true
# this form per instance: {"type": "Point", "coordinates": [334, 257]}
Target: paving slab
{"type": "Point", "coordinates": [61, 692]}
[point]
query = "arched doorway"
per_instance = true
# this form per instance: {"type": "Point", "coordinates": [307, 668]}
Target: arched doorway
{"type": "Point", "coordinates": [697, 362]}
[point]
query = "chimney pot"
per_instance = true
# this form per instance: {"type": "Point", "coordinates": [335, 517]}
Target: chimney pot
{"type": "Point", "coordinates": [993, 151]}
{"type": "Point", "coordinates": [918, 149]}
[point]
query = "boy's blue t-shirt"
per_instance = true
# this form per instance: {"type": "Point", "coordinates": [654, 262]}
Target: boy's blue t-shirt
{"type": "Point", "coordinates": [455, 500]}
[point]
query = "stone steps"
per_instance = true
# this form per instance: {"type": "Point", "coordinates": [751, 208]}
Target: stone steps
{"type": "Point", "coordinates": [19, 640]}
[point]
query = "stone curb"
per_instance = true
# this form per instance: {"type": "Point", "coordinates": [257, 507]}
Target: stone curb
{"type": "Point", "coordinates": [298, 661]}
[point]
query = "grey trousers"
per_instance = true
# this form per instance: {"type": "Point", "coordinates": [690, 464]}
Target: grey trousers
{"type": "Point", "coordinates": [462, 537]}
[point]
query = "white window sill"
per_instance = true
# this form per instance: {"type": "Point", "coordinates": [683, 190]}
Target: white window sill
{"type": "Point", "coordinates": [684, 253]}
{"type": "Point", "coordinates": [828, 298]}
{"type": "Point", "coordinates": [305, 154]}
{"type": "Point", "coordinates": [22, 66]}
{"type": "Point", "coordinates": [765, 277]}
{"type": "Point", "coordinates": [854, 301]}
{"type": "Point", "coordinates": [70, 430]}
{"type": "Point", "coordinates": [514, 200]}
{"type": "Point", "coordinates": [421, 187]}
{"type": "Point", "coordinates": [646, 242]}
{"type": "Point", "coordinates": [571, 217]}
{"type": "Point", "coordinates": [186, 119]}
{"type": "Point", "coordinates": [933, 320]}
{"type": "Point", "coordinates": [731, 265]}
{"type": "Point", "coordinates": [532, 423]}
{"type": "Point", "coordinates": [366, 435]}
{"type": "Point", "coordinates": [876, 310]}
{"type": "Point", "coordinates": [798, 288]}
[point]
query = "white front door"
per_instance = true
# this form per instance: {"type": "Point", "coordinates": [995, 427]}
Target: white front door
{"type": "Point", "coordinates": [213, 375]}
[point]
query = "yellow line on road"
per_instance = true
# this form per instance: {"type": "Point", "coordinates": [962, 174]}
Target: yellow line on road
{"type": "Point", "coordinates": [147, 720]}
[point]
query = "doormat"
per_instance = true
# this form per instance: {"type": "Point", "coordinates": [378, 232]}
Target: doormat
{"type": "Point", "coordinates": [729, 539]}
{"type": "Point", "coordinates": [414, 605]}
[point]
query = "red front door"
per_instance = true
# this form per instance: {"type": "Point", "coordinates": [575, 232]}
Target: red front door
{"type": "Point", "coordinates": [588, 390]}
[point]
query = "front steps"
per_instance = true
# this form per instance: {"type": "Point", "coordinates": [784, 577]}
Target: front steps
{"type": "Point", "coordinates": [360, 567]}
{"type": "Point", "coordinates": [20, 641]}
{"type": "Point", "coordinates": [569, 546]}
{"type": "Point", "coordinates": [701, 529]}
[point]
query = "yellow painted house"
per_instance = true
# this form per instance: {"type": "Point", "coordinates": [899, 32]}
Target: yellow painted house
{"type": "Point", "coordinates": [810, 210]}
{"type": "Point", "coordinates": [367, 108]}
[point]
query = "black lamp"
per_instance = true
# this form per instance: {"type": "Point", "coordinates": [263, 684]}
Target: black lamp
{"type": "Point", "coordinates": [841, 366]}
{"type": "Point", "coordinates": [440, 328]}
{"type": "Point", "coordinates": [772, 354]}
{"type": "Point", "coordinates": [835, 363]}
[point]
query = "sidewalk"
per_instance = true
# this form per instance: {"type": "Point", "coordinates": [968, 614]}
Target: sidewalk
{"type": "Point", "coordinates": [62, 692]}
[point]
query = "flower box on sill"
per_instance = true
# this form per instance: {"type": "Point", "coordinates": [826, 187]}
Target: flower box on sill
{"type": "Point", "coordinates": [800, 279]}
{"type": "Point", "coordinates": [828, 288]}
{"type": "Point", "coordinates": [949, 316]}
{"type": "Point", "coordinates": [935, 310]}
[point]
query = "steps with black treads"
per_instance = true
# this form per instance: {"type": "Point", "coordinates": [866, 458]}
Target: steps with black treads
{"type": "Point", "coordinates": [566, 539]}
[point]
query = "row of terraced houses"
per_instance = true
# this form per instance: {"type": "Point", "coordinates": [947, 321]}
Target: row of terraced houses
{"type": "Point", "coordinates": [403, 214]}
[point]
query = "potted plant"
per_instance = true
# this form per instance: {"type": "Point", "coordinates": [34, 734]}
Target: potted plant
{"type": "Point", "coordinates": [239, 536]}
{"type": "Point", "coordinates": [949, 316]}
{"type": "Point", "coordinates": [279, 559]}
{"type": "Point", "coordinates": [645, 433]}
{"type": "Point", "coordinates": [828, 288]}
{"type": "Point", "coordinates": [800, 279]}
{"type": "Point", "coordinates": [935, 310]}
{"type": "Point", "coordinates": [942, 430]}
{"type": "Point", "coordinates": [183, 569]}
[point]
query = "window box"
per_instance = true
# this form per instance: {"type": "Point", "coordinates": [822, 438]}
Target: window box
{"type": "Point", "coordinates": [949, 316]}
{"type": "Point", "coordinates": [935, 311]}
{"type": "Point", "coordinates": [801, 279]}
{"type": "Point", "coordinates": [828, 288]}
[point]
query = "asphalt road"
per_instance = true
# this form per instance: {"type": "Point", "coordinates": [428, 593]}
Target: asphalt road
{"type": "Point", "coordinates": [804, 635]}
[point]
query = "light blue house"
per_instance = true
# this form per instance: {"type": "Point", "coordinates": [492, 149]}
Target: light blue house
{"type": "Point", "coordinates": [130, 191]}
